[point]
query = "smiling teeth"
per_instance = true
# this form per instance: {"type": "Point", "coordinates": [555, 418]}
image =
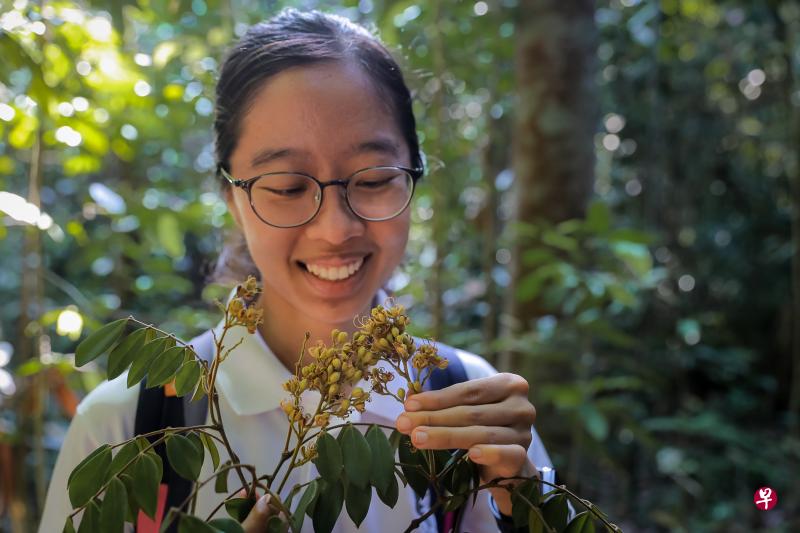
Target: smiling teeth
{"type": "Point", "coordinates": [335, 273]}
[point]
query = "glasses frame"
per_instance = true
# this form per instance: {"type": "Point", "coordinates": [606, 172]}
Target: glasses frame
{"type": "Point", "coordinates": [247, 186]}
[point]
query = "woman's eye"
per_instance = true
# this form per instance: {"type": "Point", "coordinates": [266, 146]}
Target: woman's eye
{"type": "Point", "coordinates": [375, 183]}
{"type": "Point", "coordinates": [286, 192]}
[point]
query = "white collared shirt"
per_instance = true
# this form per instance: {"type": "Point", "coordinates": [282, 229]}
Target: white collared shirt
{"type": "Point", "coordinates": [250, 389]}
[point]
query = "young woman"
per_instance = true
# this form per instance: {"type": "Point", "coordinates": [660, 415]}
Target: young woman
{"type": "Point", "coordinates": [318, 152]}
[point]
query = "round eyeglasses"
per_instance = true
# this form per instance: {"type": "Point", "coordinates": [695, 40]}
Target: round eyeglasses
{"type": "Point", "coordinates": [291, 199]}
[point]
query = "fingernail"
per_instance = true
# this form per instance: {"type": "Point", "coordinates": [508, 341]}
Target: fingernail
{"type": "Point", "coordinates": [475, 453]}
{"type": "Point", "coordinates": [403, 423]}
{"type": "Point", "coordinates": [420, 437]}
{"type": "Point", "coordinates": [412, 405]}
{"type": "Point", "coordinates": [261, 504]}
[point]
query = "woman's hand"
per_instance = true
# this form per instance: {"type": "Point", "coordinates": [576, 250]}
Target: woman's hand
{"type": "Point", "coordinates": [256, 521]}
{"type": "Point", "coordinates": [491, 417]}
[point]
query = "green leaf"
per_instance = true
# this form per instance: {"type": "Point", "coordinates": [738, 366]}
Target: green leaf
{"type": "Point", "coordinates": [90, 521]}
{"type": "Point", "coordinates": [525, 494]}
{"type": "Point", "coordinates": [535, 524]}
{"type": "Point", "coordinates": [211, 446]}
{"type": "Point", "coordinates": [185, 456]}
{"type": "Point", "coordinates": [394, 440]}
{"type": "Point", "coordinates": [170, 235]}
{"type": "Point", "coordinates": [356, 455]}
{"type": "Point", "coordinates": [192, 524]}
{"type": "Point", "coordinates": [382, 471]}
{"type": "Point", "coordinates": [581, 523]}
{"type": "Point", "coordinates": [555, 511]}
{"type": "Point", "coordinates": [114, 507]}
{"type": "Point", "coordinates": [357, 500]}
{"type": "Point", "coordinates": [144, 359]}
{"type": "Point", "coordinates": [239, 508]}
{"type": "Point", "coordinates": [69, 527]}
{"type": "Point", "coordinates": [146, 476]}
{"type": "Point", "coordinates": [221, 482]}
{"type": "Point", "coordinates": [163, 368]}
{"type": "Point", "coordinates": [226, 525]}
{"type": "Point", "coordinates": [598, 217]}
{"type": "Point", "coordinates": [305, 504]}
{"type": "Point", "coordinates": [560, 241]}
{"type": "Point", "coordinates": [327, 508]}
{"type": "Point", "coordinates": [187, 377]}
{"type": "Point", "coordinates": [87, 478]}
{"type": "Point", "coordinates": [124, 353]}
{"type": "Point", "coordinates": [329, 458]}
{"type": "Point", "coordinates": [98, 342]}
{"type": "Point", "coordinates": [133, 505]}
{"type": "Point", "coordinates": [125, 455]}
{"type": "Point", "coordinates": [413, 465]}
{"type": "Point", "coordinates": [275, 524]}
{"type": "Point", "coordinates": [390, 494]}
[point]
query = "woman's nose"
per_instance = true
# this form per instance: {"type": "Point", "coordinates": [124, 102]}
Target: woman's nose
{"type": "Point", "coordinates": [335, 222]}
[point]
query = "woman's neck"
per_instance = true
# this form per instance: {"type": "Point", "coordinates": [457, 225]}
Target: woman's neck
{"type": "Point", "coordinates": [284, 328]}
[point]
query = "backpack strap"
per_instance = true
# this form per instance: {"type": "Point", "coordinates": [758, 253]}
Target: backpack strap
{"type": "Point", "coordinates": [156, 410]}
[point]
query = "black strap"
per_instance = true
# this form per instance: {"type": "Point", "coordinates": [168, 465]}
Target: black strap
{"type": "Point", "coordinates": [154, 411]}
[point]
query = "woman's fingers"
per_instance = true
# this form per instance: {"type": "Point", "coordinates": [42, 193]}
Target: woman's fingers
{"type": "Point", "coordinates": [486, 390]}
{"type": "Point", "coordinates": [446, 438]}
{"type": "Point", "coordinates": [515, 411]}
{"type": "Point", "coordinates": [501, 460]}
{"type": "Point", "coordinates": [256, 521]}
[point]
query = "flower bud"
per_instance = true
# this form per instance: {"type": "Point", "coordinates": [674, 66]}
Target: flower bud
{"type": "Point", "coordinates": [401, 393]}
{"type": "Point", "coordinates": [334, 377]}
{"type": "Point", "coordinates": [333, 390]}
{"type": "Point", "coordinates": [341, 337]}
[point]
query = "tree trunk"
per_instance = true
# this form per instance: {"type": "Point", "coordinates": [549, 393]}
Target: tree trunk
{"type": "Point", "coordinates": [553, 150]}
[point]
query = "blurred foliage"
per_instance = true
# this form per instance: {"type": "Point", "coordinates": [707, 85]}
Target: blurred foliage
{"type": "Point", "coordinates": [660, 363]}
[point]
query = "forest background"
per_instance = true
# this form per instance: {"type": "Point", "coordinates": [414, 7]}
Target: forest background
{"type": "Point", "coordinates": [612, 209]}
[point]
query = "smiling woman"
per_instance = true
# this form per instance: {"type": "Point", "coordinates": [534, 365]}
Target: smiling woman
{"type": "Point", "coordinates": [318, 155]}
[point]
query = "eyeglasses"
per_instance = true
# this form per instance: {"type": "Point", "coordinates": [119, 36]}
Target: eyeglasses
{"type": "Point", "coordinates": [291, 199]}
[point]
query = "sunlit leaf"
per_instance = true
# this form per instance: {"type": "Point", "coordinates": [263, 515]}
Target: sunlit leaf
{"type": "Point", "coordinates": [98, 342]}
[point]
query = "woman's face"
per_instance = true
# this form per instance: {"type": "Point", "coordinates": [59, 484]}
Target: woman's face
{"type": "Point", "coordinates": [326, 120]}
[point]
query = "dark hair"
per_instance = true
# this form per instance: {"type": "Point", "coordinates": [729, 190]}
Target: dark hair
{"type": "Point", "coordinates": [290, 39]}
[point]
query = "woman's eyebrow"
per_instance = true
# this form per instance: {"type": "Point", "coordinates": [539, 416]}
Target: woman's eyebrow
{"type": "Point", "coordinates": [379, 145]}
{"type": "Point", "coordinates": [271, 154]}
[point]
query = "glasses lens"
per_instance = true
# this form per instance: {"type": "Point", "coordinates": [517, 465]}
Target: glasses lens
{"type": "Point", "coordinates": [285, 199]}
{"type": "Point", "coordinates": [380, 193]}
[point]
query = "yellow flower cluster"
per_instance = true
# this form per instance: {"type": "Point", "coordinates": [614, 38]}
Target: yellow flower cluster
{"type": "Point", "coordinates": [242, 307]}
{"type": "Point", "coordinates": [336, 369]}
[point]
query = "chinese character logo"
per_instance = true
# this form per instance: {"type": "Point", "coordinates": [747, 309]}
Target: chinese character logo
{"type": "Point", "coordinates": [765, 498]}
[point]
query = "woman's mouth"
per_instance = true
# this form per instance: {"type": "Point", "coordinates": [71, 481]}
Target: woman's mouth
{"type": "Point", "coordinates": [335, 273]}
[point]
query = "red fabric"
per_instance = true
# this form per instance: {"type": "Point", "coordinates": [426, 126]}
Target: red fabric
{"type": "Point", "coordinates": [145, 524]}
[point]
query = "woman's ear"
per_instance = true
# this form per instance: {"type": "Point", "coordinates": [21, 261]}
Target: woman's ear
{"type": "Point", "coordinates": [232, 208]}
